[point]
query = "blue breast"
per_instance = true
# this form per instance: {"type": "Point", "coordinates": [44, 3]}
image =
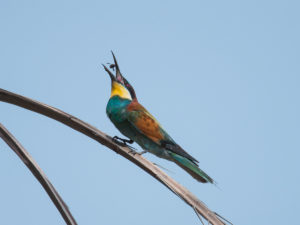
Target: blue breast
{"type": "Point", "coordinates": [116, 109]}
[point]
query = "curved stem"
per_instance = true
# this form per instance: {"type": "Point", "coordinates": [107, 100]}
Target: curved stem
{"type": "Point", "coordinates": [106, 140]}
{"type": "Point", "coordinates": [13, 143]}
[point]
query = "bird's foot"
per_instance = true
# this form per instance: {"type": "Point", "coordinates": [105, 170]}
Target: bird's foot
{"type": "Point", "coordinates": [138, 153]}
{"type": "Point", "coordinates": [121, 140]}
{"type": "Point", "coordinates": [124, 142]}
{"type": "Point", "coordinates": [141, 153]}
{"type": "Point", "coordinates": [132, 150]}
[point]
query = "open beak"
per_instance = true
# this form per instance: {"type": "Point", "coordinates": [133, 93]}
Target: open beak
{"type": "Point", "coordinates": [112, 77]}
{"type": "Point", "coordinates": [119, 78]}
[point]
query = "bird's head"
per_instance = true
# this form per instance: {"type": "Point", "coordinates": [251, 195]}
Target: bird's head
{"type": "Point", "coordinates": [119, 85]}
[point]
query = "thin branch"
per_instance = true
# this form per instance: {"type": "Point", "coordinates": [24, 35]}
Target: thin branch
{"type": "Point", "coordinates": [223, 218]}
{"type": "Point", "coordinates": [13, 143]}
{"type": "Point", "coordinates": [106, 140]}
{"type": "Point", "coordinates": [199, 216]}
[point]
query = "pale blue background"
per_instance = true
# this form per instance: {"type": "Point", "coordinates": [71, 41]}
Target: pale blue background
{"type": "Point", "coordinates": [221, 76]}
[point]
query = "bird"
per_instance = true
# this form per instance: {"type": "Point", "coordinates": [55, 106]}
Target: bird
{"type": "Point", "coordinates": [136, 123]}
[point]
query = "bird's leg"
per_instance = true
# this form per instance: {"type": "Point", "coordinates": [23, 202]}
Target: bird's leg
{"type": "Point", "coordinates": [117, 139]}
{"type": "Point", "coordinates": [123, 142]}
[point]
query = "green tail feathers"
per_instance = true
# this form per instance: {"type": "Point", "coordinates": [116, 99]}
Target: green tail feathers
{"type": "Point", "coordinates": [191, 168]}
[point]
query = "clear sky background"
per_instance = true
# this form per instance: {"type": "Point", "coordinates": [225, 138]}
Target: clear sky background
{"type": "Point", "coordinates": [222, 77]}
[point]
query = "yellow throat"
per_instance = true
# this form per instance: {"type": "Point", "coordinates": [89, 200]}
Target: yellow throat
{"type": "Point", "coordinates": [119, 90]}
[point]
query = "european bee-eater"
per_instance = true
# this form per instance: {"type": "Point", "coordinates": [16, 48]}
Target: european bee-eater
{"type": "Point", "coordinates": [136, 123]}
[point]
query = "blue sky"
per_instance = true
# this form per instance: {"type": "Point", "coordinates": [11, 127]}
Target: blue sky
{"type": "Point", "coordinates": [222, 77]}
